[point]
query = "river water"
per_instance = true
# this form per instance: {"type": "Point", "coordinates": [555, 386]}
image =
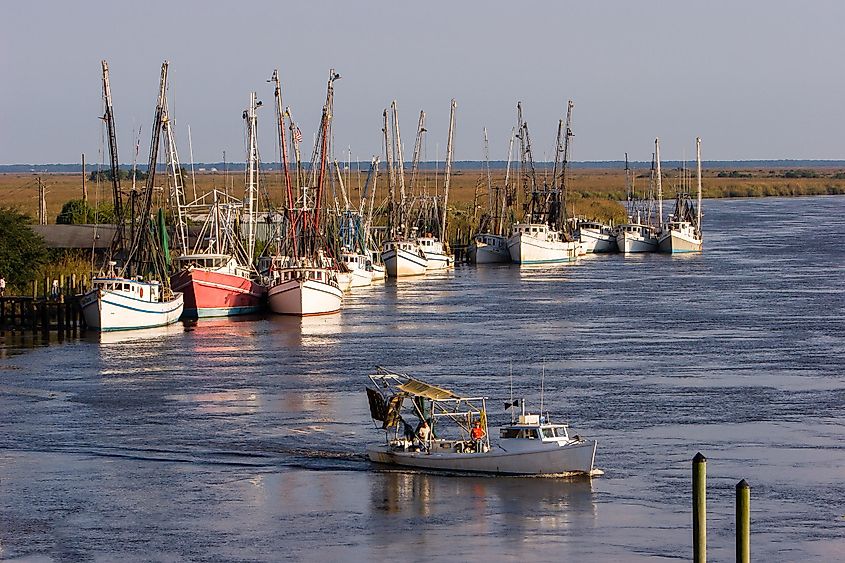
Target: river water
{"type": "Point", "coordinates": [243, 440]}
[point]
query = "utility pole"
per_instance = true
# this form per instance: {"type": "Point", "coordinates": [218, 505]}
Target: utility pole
{"type": "Point", "coordinates": [42, 202]}
{"type": "Point", "coordinates": [84, 186]}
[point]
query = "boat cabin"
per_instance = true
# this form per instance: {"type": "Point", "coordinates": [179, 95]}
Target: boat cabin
{"type": "Point", "coordinates": [539, 231]}
{"type": "Point", "coordinates": [491, 240]}
{"type": "Point", "coordinates": [356, 261]}
{"type": "Point", "coordinates": [594, 226]}
{"type": "Point", "coordinates": [148, 292]}
{"type": "Point", "coordinates": [219, 263]}
{"type": "Point", "coordinates": [529, 431]}
{"type": "Point", "coordinates": [404, 245]}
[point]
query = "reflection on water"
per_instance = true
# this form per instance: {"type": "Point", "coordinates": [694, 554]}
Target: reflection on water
{"type": "Point", "coordinates": [147, 335]}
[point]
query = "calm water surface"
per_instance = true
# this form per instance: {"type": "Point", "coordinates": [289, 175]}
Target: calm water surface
{"type": "Point", "coordinates": [243, 440]}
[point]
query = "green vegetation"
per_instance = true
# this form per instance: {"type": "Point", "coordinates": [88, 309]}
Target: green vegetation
{"type": "Point", "coordinates": [78, 212]}
{"type": "Point", "coordinates": [22, 251]}
{"type": "Point", "coordinates": [800, 174]}
{"type": "Point", "coordinates": [106, 175]}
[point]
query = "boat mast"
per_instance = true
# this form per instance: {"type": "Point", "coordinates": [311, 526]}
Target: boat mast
{"type": "Point", "coordinates": [629, 189]}
{"type": "Point", "coordinates": [177, 193]}
{"type": "Point", "coordinates": [119, 243]}
{"type": "Point", "coordinates": [251, 188]}
{"type": "Point", "coordinates": [453, 105]}
{"type": "Point", "coordinates": [371, 194]}
{"type": "Point", "coordinates": [295, 140]}
{"type": "Point", "coordinates": [283, 148]}
{"type": "Point", "coordinates": [554, 193]}
{"type": "Point", "coordinates": [490, 199]}
{"type": "Point", "coordinates": [520, 176]}
{"type": "Point", "coordinates": [145, 255]}
{"type": "Point", "coordinates": [698, 169]}
{"type": "Point", "coordinates": [659, 183]}
{"type": "Point", "coordinates": [400, 166]}
{"type": "Point", "coordinates": [324, 146]}
{"type": "Point", "coordinates": [565, 165]}
{"type": "Point", "coordinates": [415, 161]}
{"type": "Point", "coordinates": [507, 190]}
{"type": "Point", "coordinates": [392, 216]}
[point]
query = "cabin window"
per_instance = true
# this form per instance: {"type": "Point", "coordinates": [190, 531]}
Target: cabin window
{"type": "Point", "coordinates": [548, 433]}
{"type": "Point", "coordinates": [509, 433]}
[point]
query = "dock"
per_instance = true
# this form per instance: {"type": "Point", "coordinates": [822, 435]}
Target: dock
{"type": "Point", "coordinates": [58, 311]}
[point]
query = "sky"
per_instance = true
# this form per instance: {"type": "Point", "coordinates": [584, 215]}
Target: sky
{"type": "Point", "coordinates": [753, 79]}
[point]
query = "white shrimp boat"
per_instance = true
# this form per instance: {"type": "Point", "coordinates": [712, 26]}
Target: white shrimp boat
{"type": "Point", "coordinates": [537, 243]}
{"type": "Point", "coordinates": [435, 254]}
{"type": "Point", "coordinates": [459, 438]}
{"type": "Point", "coordinates": [595, 237]}
{"type": "Point", "coordinates": [304, 291]}
{"type": "Point", "coordinates": [116, 303]}
{"type": "Point", "coordinates": [679, 237]}
{"type": "Point", "coordinates": [682, 233]}
{"type": "Point", "coordinates": [360, 267]}
{"type": "Point", "coordinates": [488, 248]}
{"type": "Point", "coordinates": [633, 238]}
{"type": "Point", "coordinates": [404, 258]}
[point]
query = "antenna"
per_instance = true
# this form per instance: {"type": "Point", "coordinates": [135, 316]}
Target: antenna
{"type": "Point", "coordinates": [542, 386]}
{"type": "Point", "coordinates": [511, 408]}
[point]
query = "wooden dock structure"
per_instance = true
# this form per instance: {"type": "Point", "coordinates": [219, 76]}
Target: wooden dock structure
{"type": "Point", "coordinates": [58, 311]}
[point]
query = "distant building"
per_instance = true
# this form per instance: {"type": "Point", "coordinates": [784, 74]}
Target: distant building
{"type": "Point", "coordinates": [80, 237]}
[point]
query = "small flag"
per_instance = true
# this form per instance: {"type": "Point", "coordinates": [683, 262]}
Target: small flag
{"type": "Point", "coordinates": [297, 135]}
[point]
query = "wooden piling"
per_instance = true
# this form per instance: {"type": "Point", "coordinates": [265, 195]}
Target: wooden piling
{"type": "Point", "coordinates": [743, 522]}
{"type": "Point", "coordinates": [60, 319]}
{"type": "Point", "coordinates": [699, 508]}
{"type": "Point", "coordinates": [44, 310]}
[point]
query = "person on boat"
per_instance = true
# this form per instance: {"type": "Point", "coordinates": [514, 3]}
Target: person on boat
{"type": "Point", "coordinates": [477, 435]}
{"type": "Point", "coordinates": [424, 432]}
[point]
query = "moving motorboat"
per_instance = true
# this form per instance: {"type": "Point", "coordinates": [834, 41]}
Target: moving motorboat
{"type": "Point", "coordinates": [452, 433]}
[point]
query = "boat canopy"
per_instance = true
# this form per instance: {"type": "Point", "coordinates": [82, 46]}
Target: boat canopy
{"type": "Point", "coordinates": [385, 380]}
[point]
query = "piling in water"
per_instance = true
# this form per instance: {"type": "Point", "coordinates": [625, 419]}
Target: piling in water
{"type": "Point", "coordinates": [743, 522]}
{"type": "Point", "coordinates": [699, 508]}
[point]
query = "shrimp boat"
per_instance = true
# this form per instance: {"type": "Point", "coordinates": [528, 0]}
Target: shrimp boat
{"type": "Point", "coordinates": [639, 235]}
{"type": "Point", "coordinates": [682, 233]}
{"type": "Point", "coordinates": [542, 236]}
{"type": "Point", "coordinates": [455, 435]}
{"type": "Point", "coordinates": [305, 277]}
{"type": "Point", "coordinates": [489, 245]}
{"type": "Point", "coordinates": [595, 237]}
{"type": "Point", "coordinates": [138, 295]}
{"type": "Point", "coordinates": [217, 275]}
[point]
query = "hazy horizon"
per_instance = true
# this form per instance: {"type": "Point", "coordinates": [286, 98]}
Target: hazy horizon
{"type": "Point", "coordinates": [755, 80]}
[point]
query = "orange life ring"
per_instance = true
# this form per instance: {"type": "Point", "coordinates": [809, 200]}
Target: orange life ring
{"type": "Point", "coordinates": [141, 291]}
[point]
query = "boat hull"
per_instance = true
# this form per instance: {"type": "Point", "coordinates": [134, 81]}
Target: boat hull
{"type": "Point", "coordinates": [378, 272]}
{"type": "Point", "coordinates": [575, 458]}
{"type": "Point", "coordinates": [217, 294]}
{"type": "Point", "coordinates": [525, 249]}
{"type": "Point", "coordinates": [107, 311]}
{"type": "Point", "coordinates": [675, 242]}
{"type": "Point", "coordinates": [437, 261]}
{"type": "Point", "coordinates": [485, 253]}
{"type": "Point", "coordinates": [597, 243]}
{"type": "Point", "coordinates": [400, 263]}
{"type": "Point", "coordinates": [632, 243]}
{"type": "Point", "coordinates": [304, 297]}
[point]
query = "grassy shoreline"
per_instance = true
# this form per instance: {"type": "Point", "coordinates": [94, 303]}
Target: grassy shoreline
{"type": "Point", "coordinates": [587, 187]}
